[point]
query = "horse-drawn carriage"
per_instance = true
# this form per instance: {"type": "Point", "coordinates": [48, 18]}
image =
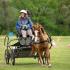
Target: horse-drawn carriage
{"type": "Point", "coordinates": [26, 47]}
{"type": "Point", "coordinates": [17, 48]}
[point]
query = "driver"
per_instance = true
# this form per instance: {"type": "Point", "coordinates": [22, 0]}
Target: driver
{"type": "Point", "coordinates": [24, 24]}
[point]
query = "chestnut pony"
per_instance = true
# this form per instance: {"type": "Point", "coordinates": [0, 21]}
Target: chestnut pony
{"type": "Point", "coordinates": [41, 44]}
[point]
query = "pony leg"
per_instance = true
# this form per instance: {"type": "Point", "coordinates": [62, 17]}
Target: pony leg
{"type": "Point", "coordinates": [44, 58]}
{"type": "Point", "coordinates": [48, 58]}
{"type": "Point", "coordinates": [40, 57]}
{"type": "Point", "coordinates": [33, 50]}
{"type": "Point", "coordinates": [40, 60]}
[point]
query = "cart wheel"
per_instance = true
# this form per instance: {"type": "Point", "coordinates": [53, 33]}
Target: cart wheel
{"type": "Point", "coordinates": [12, 57]}
{"type": "Point", "coordinates": [7, 56]}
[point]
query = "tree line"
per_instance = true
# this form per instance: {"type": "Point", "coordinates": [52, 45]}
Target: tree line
{"type": "Point", "coordinates": [54, 15]}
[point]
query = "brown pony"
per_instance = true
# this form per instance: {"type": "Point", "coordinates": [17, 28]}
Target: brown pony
{"type": "Point", "coordinates": [41, 44]}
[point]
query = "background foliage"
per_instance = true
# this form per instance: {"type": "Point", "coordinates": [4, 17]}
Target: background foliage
{"type": "Point", "coordinates": [54, 15]}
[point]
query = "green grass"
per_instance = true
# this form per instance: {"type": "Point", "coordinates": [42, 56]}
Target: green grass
{"type": "Point", "coordinates": [60, 57]}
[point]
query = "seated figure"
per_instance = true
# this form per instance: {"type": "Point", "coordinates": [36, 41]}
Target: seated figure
{"type": "Point", "coordinates": [24, 25]}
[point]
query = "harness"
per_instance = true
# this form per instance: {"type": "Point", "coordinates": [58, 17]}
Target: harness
{"type": "Point", "coordinates": [47, 41]}
{"type": "Point", "coordinates": [40, 42]}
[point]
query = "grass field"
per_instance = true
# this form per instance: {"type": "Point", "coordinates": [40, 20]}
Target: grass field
{"type": "Point", "coordinates": [60, 57]}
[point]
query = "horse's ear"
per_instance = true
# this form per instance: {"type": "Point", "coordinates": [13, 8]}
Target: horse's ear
{"type": "Point", "coordinates": [33, 26]}
{"type": "Point", "coordinates": [42, 29]}
{"type": "Point", "coordinates": [40, 26]}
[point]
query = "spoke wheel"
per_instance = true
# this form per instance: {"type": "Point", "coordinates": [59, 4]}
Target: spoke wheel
{"type": "Point", "coordinates": [7, 56]}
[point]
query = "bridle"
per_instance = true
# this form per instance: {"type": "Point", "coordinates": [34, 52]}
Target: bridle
{"type": "Point", "coordinates": [48, 40]}
{"type": "Point", "coordinates": [37, 39]}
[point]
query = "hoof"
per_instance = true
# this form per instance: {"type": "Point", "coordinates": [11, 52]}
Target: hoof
{"type": "Point", "coordinates": [49, 65]}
